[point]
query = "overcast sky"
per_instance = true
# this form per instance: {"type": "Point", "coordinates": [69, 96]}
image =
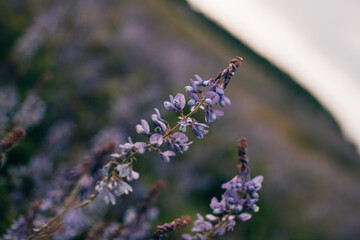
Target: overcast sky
{"type": "Point", "coordinates": [315, 42]}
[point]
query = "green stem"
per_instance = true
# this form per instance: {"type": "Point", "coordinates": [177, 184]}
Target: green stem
{"type": "Point", "coordinates": [210, 234]}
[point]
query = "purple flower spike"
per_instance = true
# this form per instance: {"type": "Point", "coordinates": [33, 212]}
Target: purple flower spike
{"type": "Point", "coordinates": [175, 104]}
{"type": "Point", "coordinates": [165, 156]}
{"type": "Point", "coordinates": [156, 140]}
{"type": "Point", "coordinates": [143, 128]}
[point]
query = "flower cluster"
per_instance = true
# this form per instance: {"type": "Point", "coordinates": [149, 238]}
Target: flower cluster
{"type": "Point", "coordinates": [164, 139]}
{"type": "Point", "coordinates": [167, 140]}
{"type": "Point", "coordinates": [240, 196]}
{"type": "Point", "coordinates": [116, 184]}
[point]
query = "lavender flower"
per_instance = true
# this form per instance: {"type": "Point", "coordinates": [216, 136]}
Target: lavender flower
{"type": "Point", "coordinates": [156, 140]}
{"type": "Point", "coordinates": [159, 122]}
{"type": "Point", "coordinates": [120, 168]}
{"type": "Point", "coordinates": [113, 187]}
{"type": "Point", "coordinates": [198, 129]}
{"type": "Point", "coordinates": [130, 147]}
{"type": "Point", "coordinates": [175, 104]}
{"type": "Point", "coordinates": [143, 128]}
{"type": "Point", "coordinates": [241, 193]}
{"type": "Point", "coordinates": [163, 132]}
{"type": "Point", "coordinates": [179, 142]}
{"type": "Point", "coordinates": [126, 171]}
{"type": "Point", "coordinates": [165, 156]}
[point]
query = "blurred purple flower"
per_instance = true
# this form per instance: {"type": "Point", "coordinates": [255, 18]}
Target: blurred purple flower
{"type": "Point", "coordinates": [165, 156]}
{"type": "Point", "coordinates": [143, 128]}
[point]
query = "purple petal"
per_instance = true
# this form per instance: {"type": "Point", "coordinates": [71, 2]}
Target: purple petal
{"type": "Point", "coordinates": [187, 236]}
{"type": "Point", "coordinates": [181, 98]}
{"type": "Point", "coordinates": [141, 147]}
{"type": "Point", "coordinates": [213, 96]}
{"type": "Point", "coordinates": [158, 114]}
{"type": "Point", "coordinates": [226, 100]}
{"type": "Point", "coordinates": [215, 203]}
{"type": "Point", "coordinates": [244, 217]}
{"type": "Point", "coordinates": [140, 144]}
{"type": "Point", "coordinates": [169, 106]}
{"type": "Point", "coordinates": [198, 78]}
{"type": "Point", "coordinates": [156, 140]}
{"type": "Point", "coordinates": [193, 85]}
{"type": "Point", "coordinates": [210, 94]}
{"type": "Point", "coordinates": [220, 90]}
{"type": "Point", "coordinates": [181, 136]}
{"type": "Point", "coordinates": [211, 217]}
{"type": "Point", "coordinates": [210, 115]}
{"type": "Point", "coordinates": [258, 180]}
{"type": "Point", "coordinates": [165, 156]}
{"type": "Point", "coordinates": [200, 217]}
{"type": "Point", "coordinates": [218, 113]}
{"type": "Point", "coordinates": [194, 96]}
{"type": "Point", "coordinates": [145, 126]}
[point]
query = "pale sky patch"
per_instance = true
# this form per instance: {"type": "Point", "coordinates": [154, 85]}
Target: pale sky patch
{"type": "Point", "coordinates": [308, 59]}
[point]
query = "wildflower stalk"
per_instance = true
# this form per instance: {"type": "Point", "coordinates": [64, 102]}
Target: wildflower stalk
{"type": "Point", "coordinates": [240, 197]}
{"type": "Point", "coordinates": [119, 169]}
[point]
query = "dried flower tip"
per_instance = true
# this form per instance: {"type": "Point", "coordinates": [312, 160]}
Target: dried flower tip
{"type": "Point", "coordinates": [9, 141]}
{"type": "Point", "coordinates": [242, 147]}
{"type": "Point", "coordinates": [12, 139]}
{"type": "Point", "coordinates": [163, 230]}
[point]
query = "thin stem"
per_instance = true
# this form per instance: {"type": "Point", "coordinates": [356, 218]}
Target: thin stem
{"type": "Point", "coordinates": [93, 196]}
{"type": "Point", "coordinates": [88, 201]}
{"type": "Point", "coordinates": [217, 226]}
{"type": "Point", "coordinates": [61, 214]}
{"type": "Point", "coordinates": [186, 117]}
{"type": "Point", "coordinates": [46, 225]}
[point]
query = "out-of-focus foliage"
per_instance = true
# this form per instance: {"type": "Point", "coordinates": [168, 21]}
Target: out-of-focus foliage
{"type": "Point", "coordinates": [78, 73]}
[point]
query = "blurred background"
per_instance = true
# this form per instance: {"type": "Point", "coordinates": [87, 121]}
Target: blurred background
{"type": "Point", "coordinates": [76, 74]}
